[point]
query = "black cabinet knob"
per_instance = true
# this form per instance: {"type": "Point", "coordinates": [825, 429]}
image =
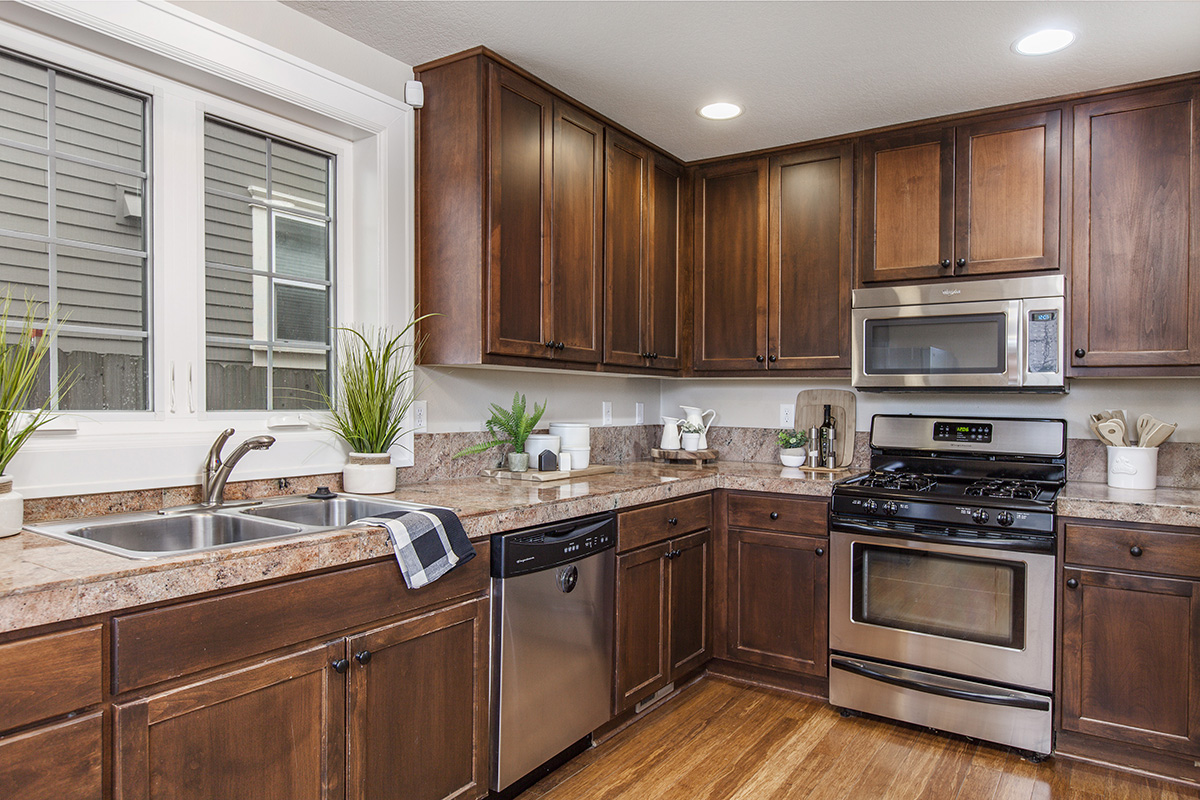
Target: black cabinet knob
{"type": "Point", "coordinates": [549, 344]}
{"type": "Point", "coordinates": [1072, 583]}
{"type": "Point", "coordinates": [560, 345]}
{"type": "Point", "coordinates": [653, 356]}
{"type": "Point", "coordinates": [772, 359]}
{"type": "Point", "coordinates": [962, 262]}
{"type": "Point", "coordinates": [759, 359]}
{"type": "Point", "coordinates": [341, 665]}
{"type": "Point", "coordinates": [673, 520]}
{"type": "Point", "coordinates": [1135, 551]}
{"type": "Point", "coordinates": [1080, 352]}
{"type": "Point", "coordinates": [774, 515]}
{"type": "Point", "coordinates": [363, 658]}
{"type": "Point", "coordinates": [820, 551]}
{"type": "Point", "coordinates": [945, 263]}
{"type": "Point", "coordinates": [645, 355]}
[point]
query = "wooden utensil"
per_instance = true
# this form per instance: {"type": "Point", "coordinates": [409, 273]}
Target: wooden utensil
{"type": "Point", "coordinates": [1158, 434]}
{"type": "Point", "coordinates": [1113, 432]}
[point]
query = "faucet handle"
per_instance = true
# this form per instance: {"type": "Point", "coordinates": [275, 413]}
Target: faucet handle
{"type": "Point", "coordinates": [214, 452]}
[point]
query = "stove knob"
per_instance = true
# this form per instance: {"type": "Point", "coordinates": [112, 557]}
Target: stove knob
{"type": "Point", "coordinates": [980, 516]}
{"type": "Point", "coordinates": [890, 507]}
{"type": "Point", "coordinates": [1004, 518]}
{"type": "Point", "coordinates": [870, 506]}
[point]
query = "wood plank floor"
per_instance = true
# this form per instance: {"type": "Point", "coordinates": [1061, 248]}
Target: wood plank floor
{"type": "Point", "coordinates": [723, 741]}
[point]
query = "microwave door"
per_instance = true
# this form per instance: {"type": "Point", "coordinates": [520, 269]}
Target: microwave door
{"type": "Point", "coordinates": [953, 345]}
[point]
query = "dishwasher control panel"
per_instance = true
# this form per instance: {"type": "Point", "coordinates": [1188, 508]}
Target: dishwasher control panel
{"type": "Point", "coordinates": [541, 548]}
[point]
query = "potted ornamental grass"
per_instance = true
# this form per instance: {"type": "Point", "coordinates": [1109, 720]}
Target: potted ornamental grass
{"type": "Point", "coordinates": [24, 351]}
{"type": "Point", "coordinates": [510, 426]}
{"type": "Point", "coordinates": [376, 386]}
{"type": "Point", "coordinates": [792, 451]}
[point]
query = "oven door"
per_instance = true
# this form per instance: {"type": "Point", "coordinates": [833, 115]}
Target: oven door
{"type": "Point", "coordinates": [955, 345]}
{"type": "Point", "coordinates": [963, 609]}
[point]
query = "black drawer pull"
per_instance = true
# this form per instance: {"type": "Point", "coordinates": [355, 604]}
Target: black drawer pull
{"type": "Point", "coordinates": [820, 551]}
{"type": "Point", "coordinates": [341, 665]}
{"type": "Point", "coordinates": [1135, 551]}
{"type": "Point", "coordinates": [363, 658]}
{"type": "Point", "coordinates": [1080, 352]}
{"type": "Point", "coordinates": [673, 520]}
{"type": "Point", "coordinates": [774, 515]}
{"type": "Point", "coordinates": [1072, 583]}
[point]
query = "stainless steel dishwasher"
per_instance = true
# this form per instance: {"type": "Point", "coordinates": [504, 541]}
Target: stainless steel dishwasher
{"type": "Point", "coordinates": [552, 645]}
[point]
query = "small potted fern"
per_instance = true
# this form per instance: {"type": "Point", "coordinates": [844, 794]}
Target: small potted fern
{"type": "Point", "coordinates": [510, 426]}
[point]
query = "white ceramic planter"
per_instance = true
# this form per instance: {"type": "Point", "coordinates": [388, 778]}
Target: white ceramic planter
{"type": "Point", "coordinates": [793, 456]}
{"type": "Point", "coordinates": [12, 508]}
{"type": "Point", "coordinates": [691, 441]}
{"type": "Point", "coordinates": [369, 473]}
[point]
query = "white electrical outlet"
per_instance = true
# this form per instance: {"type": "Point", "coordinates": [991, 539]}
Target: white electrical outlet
{"type": "Point", "coordinates": [787, 415]}
{"type": "Point", "coordinates": [639, 414]}
{"type": "Point", "coordinates": [420, 416]}
{"type": "Point", "coordinates": [606, 413]}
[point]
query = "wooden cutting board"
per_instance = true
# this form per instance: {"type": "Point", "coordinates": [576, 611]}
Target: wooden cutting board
{"type": "Point", "coordinates": [843, 403]}
{"type": "Point", "coordinates": [556, 475]}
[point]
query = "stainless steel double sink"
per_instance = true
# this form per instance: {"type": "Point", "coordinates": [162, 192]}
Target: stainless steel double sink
{"type": "Point", "coordinates": [179, 531]}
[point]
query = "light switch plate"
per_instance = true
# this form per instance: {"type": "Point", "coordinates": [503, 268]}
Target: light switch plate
{"type": "Point", "coordinates": [639, 413]}
{"type": "Point", "coordinates": [606, 413]}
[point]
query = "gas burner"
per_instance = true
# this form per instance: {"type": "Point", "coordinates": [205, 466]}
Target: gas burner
{"type": "Point", "coordinates": [1019, 490]}
{"type": "Point", "coordinates": [903, 481]}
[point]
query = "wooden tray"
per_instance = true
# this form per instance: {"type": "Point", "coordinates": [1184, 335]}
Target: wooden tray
{"type": "Point", "coordinates": [685, 456]}
{"type": "Point", "coordinates": [810, 411]}
{"type": "Point", "coordinates": [556, 475]}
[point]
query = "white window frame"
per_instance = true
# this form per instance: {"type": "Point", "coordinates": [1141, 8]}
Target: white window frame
{"type": "Point", "coordinates": [193, 67]}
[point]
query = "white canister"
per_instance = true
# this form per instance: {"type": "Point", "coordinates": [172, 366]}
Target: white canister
{"type": "Point", "coordinates": [580, 456]}
{"type": "Point", "coordinates": [12, 508]}
{"type": "Point", "coordinates": [537, 442]}
{"type": "Point", "coordinates": [572, 434]}
{"type": "Point", "coordinates": [1132, 467]}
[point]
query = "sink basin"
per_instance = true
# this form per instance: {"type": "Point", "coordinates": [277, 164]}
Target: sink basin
{"type": "Point", "coordinates": [336, 513]}
{"type": "Point", "coordinates": [150, 536]}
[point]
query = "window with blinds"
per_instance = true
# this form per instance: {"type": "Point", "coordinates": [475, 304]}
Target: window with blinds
{"type": "Point", "coordinates": [73, 232]}
{"type": "Point", "coordinates": [268, 221]}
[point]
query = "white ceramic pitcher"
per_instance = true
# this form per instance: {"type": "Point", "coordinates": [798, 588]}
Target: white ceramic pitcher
{"type": "Point", "coordinates": [697, 417]}
{"type": "Point", "coordinates": [670, 437]}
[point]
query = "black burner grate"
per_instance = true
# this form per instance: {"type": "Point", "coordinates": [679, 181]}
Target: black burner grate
{"type": "Point", "coordinates": [1018, 490]}
{"type": "Point", "coordinates": [903, 481]}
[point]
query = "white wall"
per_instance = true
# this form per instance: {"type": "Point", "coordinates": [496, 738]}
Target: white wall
{"type": "Point", "coordinates": [755, 402]}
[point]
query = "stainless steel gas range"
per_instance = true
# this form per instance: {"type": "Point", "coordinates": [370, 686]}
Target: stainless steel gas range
{"type": "Point", "coordinates": [941, 608]}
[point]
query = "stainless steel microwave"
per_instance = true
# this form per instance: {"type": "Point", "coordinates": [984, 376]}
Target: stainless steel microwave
{"type": "Point", "coordinates": [981, 335]}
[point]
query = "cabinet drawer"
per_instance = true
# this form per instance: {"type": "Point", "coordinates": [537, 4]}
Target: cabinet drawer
{"type": "Point", "coordinates": [790, 515]}
{"type": "Point", "coordinates": [1115, 547]}
{"type": "Point", "coordinates": [648, 525]}
{"type": "Point", "coordinates": [153, 646]}
{"type": "Point", "coordinates": [63, 761]}
{"type": "Point", "coordinates": [50, 675]}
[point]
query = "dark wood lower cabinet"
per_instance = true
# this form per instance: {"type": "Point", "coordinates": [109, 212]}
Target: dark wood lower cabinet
{"type": "Point", "coordinates": [777, 603]}
{"type": "Point", "coordinates": [690, 603]}
{"type": "Point", "coordinates": [418, 707]}
{"type": "Point", "coordinates": [60, 761]}
{"type": "Point", "coordinates": [1131, 658]}
{"type": "Point", "coordinates": [274, 730]}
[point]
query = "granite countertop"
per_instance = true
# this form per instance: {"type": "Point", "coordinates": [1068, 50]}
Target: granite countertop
{"type": "Point", "coordinates": [44, 580]}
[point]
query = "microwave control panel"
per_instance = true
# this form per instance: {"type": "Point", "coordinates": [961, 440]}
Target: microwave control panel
{"type": "Point", "coordinates": [1043, 341]}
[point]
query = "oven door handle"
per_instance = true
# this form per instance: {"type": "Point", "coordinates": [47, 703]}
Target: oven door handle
{"type": "Point", "coordinates": [844, 526]}
{"type": "Point", "coordinates": [1036, 704]}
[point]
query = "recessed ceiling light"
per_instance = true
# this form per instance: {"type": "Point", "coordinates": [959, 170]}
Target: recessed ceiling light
{"type": "Point", "coordinates": [1043, 42]}
{"type": "Point", "coordinates": [720, 111]}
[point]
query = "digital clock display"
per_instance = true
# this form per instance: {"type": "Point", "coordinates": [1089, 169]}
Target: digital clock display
{"type": "Point", "coordinates": [966, 432]}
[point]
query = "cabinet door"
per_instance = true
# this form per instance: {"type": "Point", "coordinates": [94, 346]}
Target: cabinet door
{"type": "Point", "coordinates": [641, 626]}
{"type": "Point", "coordinates": [577, 235]}
{"type": "Point", "coordinates": [731, 266]}
{"type": "Point", "coordinates": [270, 731]}
{"type": "Point", "coordinates": [691, 603]}
{"type": "Point", "coordinates": [418, 707]}
{"type": "Point", "coordinates": [665, 278]}
{"type": "Point", "coordinates": [626, 250]}
{"type": "Point", "coordinates": [1136, 244]}
{"type": "Point", "coordinates": [520, 119]}
{"type": "Point", "coordinates": [907, 218]}
{"type": "Point", "coordinates": [811, 216]}
{"type": "Point", "coordinates": [54, 762]}
{"type": "Point", "coordinates": [1131, 659]}
{"type": "Point", "coordinates": [778, 608]}
{"type": "Point", "coordinates": [1008, 197]}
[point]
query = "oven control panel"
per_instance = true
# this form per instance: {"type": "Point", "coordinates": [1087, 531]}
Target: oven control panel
{"type": "Point", "coordinates": [966, 432]}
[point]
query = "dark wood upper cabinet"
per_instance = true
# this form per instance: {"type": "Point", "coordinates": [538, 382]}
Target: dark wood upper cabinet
{"type": "Point", "coordinates": [730, 272]}
{"type": "Point", "coordinates": [1136, 245]}
{"type": "Point", "coordinates": [981, 198]}
{"type": "Point", "coordinates": [641, 256]}
{"type": "Point", "coordinates": [812, 206]}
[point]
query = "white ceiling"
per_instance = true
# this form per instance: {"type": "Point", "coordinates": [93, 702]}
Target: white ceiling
{"type": "Point", "coordinates": [803, 70]}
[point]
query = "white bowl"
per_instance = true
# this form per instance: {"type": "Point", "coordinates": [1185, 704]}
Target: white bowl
{"type": "Point", "coordinates": [572, 434]}
{"type": "Point", "coordinates": [580, 456]}
{"type": "Point", "coordinates": [537, 442]}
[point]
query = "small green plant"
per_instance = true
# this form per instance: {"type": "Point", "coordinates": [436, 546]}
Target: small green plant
{"type": "Point", "coordinates": [376, 387]}
{"type": "Point", "coordinates": [789, 439]}
{"type": "Point", "coordinates": [508, 426]}
{"type": "Point", "coordinates": [690, 427]}
{"type": "Point", "coordinates": [19, 365]}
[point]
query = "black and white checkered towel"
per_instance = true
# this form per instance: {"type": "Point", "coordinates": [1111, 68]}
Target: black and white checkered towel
{"type": "Point", "coordinates": [428, 543]}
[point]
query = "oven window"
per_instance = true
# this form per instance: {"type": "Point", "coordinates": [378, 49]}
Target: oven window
{"type": "Point", "coordinates": [961, 344]}
{"type": "Point", "coordinates": [974, 599]}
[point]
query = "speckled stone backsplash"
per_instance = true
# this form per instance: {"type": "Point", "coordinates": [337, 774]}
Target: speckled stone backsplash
{"type": "Point", "coordinates": [1178, 467]}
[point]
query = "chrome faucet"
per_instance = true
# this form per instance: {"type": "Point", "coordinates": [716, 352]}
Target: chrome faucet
{"type": "Point", "coordinates": [216, 471]}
